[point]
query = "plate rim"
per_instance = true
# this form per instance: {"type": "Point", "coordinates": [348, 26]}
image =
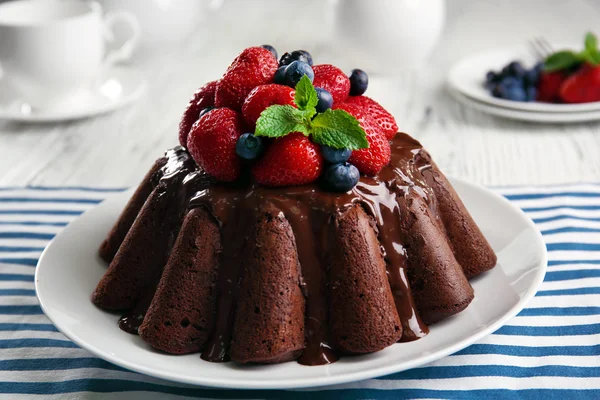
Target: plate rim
{"type": "Point", "coordinates": [325, 380]}
{"type": "Point", "coordinates": [538, 107]}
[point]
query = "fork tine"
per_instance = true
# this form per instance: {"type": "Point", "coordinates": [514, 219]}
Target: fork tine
{"type": "Point", "coordinates": [547, 46]}
{"type": "Point", "coordinates": [535, 49]}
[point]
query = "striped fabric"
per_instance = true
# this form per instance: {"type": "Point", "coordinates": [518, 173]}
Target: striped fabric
{"type": "Point", "coordinates": [550, 350]}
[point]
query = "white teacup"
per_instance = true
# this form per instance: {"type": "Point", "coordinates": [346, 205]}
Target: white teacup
{"type": "Point", "coordinates": [53, 50]}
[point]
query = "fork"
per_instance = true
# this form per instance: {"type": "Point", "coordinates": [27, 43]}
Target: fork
{"type": "Point", "coordinates": [540, 48]}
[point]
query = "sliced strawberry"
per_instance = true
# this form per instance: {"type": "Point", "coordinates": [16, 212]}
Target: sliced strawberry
{"type": "Point", "coordinates": [203, 98]}
{"type": "Point", "coordinates": [582, 87]}
{"type": "Point", "coordinates": [290, 160]}
{"type": "Point", "coordinates": [371, 160]}
{"type": "Point", "coordinates": [264, 96]}
{"type": "Point", "coordinates": [212, 141]}
{"type": "Point", "coordinates": [382, 117]}
{"type": "Point", "coordinates": [549, 86]}
{"type": "Point", "coordinates": [253, 67]}
{"type": "Point", "coordinates": [332, 79]}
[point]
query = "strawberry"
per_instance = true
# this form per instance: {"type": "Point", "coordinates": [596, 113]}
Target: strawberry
{"type": "Point", "coordinates": [253, 67]}
{"type": "Point", "coordinates": [264, 96]}
{"type": "Point", "coordinates": [333, 80]}
{"type": "Point", "coordinates": [382, 117]}
{"type": "Point", "coordinates": [290, 160]}
{"type": "Point", "coordinates": [371, 160]}
{"type": "Point", "coordinates": [549, 86]}
{"type": "Point", "coordinates": [204, 97]}
{"type": "Point", "coordinates": [583, 86]}
{"type": "Point", "coordinates": [212, 140]}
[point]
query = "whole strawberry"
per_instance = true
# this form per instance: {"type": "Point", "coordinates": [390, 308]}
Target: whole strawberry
{"type": "Point", "coordinates": [382, 117]}
{"type": "Point", "coordinates": [253, 67]}
{"type": "Point", "coordinates": [203, 98]}
{"type": "Point", "coordinates": [582, 87]}
{"type": "Point", "coordinates": [290, 160]}
{"type": "Point", "coordinates": [548, 87]}
{"type": "Point", "coordinates": [332, 79]}
{"type": "Point", "coordinates": [212, 140]}
{"type": "Point", "coordinates": [371, 160]}
{"type": "Point", "coordinates": [264, 96]}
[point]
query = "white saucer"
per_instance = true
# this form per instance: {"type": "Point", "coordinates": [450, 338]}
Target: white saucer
{"type": "Point", "coordinates": [520, 115]}
{"type": "Point", "coordinates": [69, 270]}
{"type": "Point", "coordinates": [116, 88]}
{"type": "Point", "coordinates": [468, 77]}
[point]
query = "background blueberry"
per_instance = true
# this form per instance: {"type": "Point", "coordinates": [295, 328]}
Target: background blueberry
{"type": "Point", "coordinates": [271, 49]}
{"type": "Point", "coordinates": [515, 93]}
{"type": "Point", "coordinates": [294, 72]}
{"type": "Point", "coordinates": [249, 147]}
{"type": "Point", "coordinates": [279, 77]}
{"type": "Point", "coordinates": [341, 177]}
{"type": "Point", "coordinates": [285, 59]}
{"type": "Point", "coordinates": [359, 81]}
{"type": "Point", "coordinates": [335, 156]}
{"type": "Point", "coordinates": [204, 111]}
{"type": "Point", "coordinates": [325, 100]}
{"type": "Point", "coordinates": [531, 93]}
{"type": "Point", "coordinates": [296, 55]}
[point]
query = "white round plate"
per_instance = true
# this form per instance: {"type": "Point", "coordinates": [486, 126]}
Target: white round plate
{"type": "Point", "coordinates": [530, 116]}
{"type": "Point", "coordinates": [467, 76]}
{"type": "Point", "coordinates": [117, 87]}
{"type": "Point", "coordinates": [69, 270]}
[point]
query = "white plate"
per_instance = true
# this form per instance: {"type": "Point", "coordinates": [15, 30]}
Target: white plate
{"type": "Point", "coordinates": [116, 88]}
{"type": "Point", "coordinates": [69, 270]}
{"type": "Point", "coordinates": [530, 116]}
{"type": "Point", "coordinates": [468, 76]}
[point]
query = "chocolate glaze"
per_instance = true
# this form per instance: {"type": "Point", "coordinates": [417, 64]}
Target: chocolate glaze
{"type": "Point", "coordinates": [309, 210]}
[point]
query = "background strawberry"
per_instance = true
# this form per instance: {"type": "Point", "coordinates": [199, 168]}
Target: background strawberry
{"type": "Point", "coordinates": [212, 140]}
{"type": "Point", "coordinates": [253, 67]}
{"type": "Point", "coordinates": [264, 96]}
{"type": "Point", "coordinates": [371, 160]}
{"type": "Point", "coordinates": [290, 160]}
{"type": "Point", "coordinates": [332, 79]}
{"type": "Point", "coordinates": [549, 86]}
{"type": "Point", "coordinates": [204, 97]}
{"type": "Point", "coordinates": [582, 87]}
{"type": "Point", "coordinates": [382, 117]}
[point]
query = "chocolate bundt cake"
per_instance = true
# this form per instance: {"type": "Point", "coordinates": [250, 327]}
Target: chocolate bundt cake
{"type": "Point", "coordinates": [255, 274]}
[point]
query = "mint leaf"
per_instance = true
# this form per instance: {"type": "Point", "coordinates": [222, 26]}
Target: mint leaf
{"type": "Point", "coordinates": [338, 129]}
{"type": "Point", "coordinates": [593, 57]}
{"type": "Point", "coordinates": [561, 60]}
{"type": "Point", "coordinates": [306, 95]}
{"type": "Point", "coordinates": [277, 120]}
{"type": "Point", "coordinates": [591, 42]}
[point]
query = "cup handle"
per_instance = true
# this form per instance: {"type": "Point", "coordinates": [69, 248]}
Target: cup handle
{"type": "Point", "coordinates": [124, 52]}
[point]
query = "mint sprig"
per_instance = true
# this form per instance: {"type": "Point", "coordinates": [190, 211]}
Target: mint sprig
{"type": "Point", "coordinates": [566, 59]}
{"type": "Point", "coordinates": [335, 128]}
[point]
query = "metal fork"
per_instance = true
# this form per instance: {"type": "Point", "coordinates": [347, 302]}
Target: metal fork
{"type": "Point", "coordinates": [540, 48]}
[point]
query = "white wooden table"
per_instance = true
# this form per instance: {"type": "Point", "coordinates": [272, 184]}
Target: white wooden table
{"type": "Point", "coordinates": [116, 149]}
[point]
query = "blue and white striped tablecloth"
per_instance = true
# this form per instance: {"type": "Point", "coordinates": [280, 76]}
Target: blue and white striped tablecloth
{"type": "Point", "coordinates": [550, 351]}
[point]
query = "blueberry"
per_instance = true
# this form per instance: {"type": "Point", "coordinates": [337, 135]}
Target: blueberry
{"type": "Point", "coordinates": [515, 93]}
{"type": "Point", "coordinates": [271, 49]}
{"type": "Point", "coordinates": [249, 147]}
{"type": "Point", "coordinates": [335, 156]}
{"type": "Point", "coordinates": [511, 81]}
{"type": "Point", "coordinates": [341, 177]}
{"type": "Point", "coordinates": [296, 55]}
{"type": "Point", "coordinates": [204, 111]}
{"type": "Point", "coordinates": [498, 91]}
{"type": "Point", "coordinates": [531, 77]}
{"type": "Point", "coordinates": [514, 68]}
{"type": "Point", "coordinates": [294, 72]}
{"type": "Point", "coordinates": [359, 80]}
{"type": "Point", "coordinates": [325, 100]}
{"type": "Point", "coordinates": [491, 77]}
{"type": "Point", "coordinates": [279, 77]}
{"type": "Point", "coordinates": [531, 93]}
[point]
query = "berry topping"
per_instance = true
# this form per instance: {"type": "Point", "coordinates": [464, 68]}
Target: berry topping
{"type": "Point", "coordinates": [253, 67]}
{"type": "Point", "coordinates": [271, 49]}
{"type": "Point", "coordinates": [325, 100]}
{"type": "Point", "coordinates": [212, 143]}
{"type": "Point", "coordinates": [262, 97]}
{"type": "Point", "coordinates": [295, 71]}
{"type": "Point", "coordinates": [359, 81]}
{"type": "Point", "coordinates": [279, 77]}
{"type": "Point", "coordinates": [290, 160]}
{"type": "Point", "coordinates": [249, 147]}
{"type": "Point", "coordinates": [296, 55]}
{"type": "Point", "coordinates": [204, 97]}
{"type": "Point", "coordinates": [549, 86]}
{"type": "Point", "coordinates": [583, 86]}
{"type": "Point", "coordinates": [371, 160]}
{"type": "Point", "coordinates": [341, 177]}
{"type": "Point", "coordinates": [382, 117]}
{"type": "Point", "coordinates": [335, 156]}
{"type": "Point", "coordinates": [333, 80]}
